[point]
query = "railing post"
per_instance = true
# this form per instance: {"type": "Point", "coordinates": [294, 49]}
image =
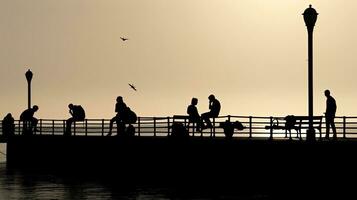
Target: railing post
{"type": "Point", "coordinates": [19, 127]}
{"type": "Point", "coordinates": [74, 128]}
{"type": "Point", "coordinates": [250, 126]}
{"type": "Point", "coordinates": [214, 127]}
{"type": "Point", "coordinates": [64, 126]}
{"type": "Point", "coordinates": [271, 127]}
{"type": "Point", "coordinates": [168, 126]}
{"type": "Point", "coordinates": [154, 126]}
{"type": "Point", "coordinates": [40, 126]}
{"type": "Point", "coordinates": [86, 129]}
{"type": "Point", "coordinates": [138, 126]}
{"type": "Point", "coordinates": [102, 127]}
{"type": "Point", "coordinates": [53, 127]}
{"type": "Point", "coordinates": [344, 127]}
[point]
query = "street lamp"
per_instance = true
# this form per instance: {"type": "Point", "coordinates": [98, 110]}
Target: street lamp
{"type": "Point", "coordinates": [29, 75]}
{"type": "Point", "coordinates": [310, 17]}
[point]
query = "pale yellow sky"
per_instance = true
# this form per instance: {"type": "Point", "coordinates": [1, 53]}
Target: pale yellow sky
{"type": "Point", "coordinates": [252, 54]}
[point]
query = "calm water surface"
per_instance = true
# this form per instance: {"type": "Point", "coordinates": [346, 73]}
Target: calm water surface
{"type": "Point", "coordinates": [24, 184]}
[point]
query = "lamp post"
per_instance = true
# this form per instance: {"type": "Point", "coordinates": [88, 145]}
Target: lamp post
{"type": "Point", "coordinates": [29, 75]}
{"type": "Point", "coordinates": [310, 17]}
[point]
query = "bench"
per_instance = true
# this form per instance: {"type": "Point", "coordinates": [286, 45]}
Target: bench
{"type": "Point", "coordinates": [298, 123]}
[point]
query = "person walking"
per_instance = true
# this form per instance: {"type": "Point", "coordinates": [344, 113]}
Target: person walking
{"type": "Point", "coordinates": [330, 114]}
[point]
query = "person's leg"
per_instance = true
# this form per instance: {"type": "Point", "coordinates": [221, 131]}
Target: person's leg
{"type": "Point", "coordinates": [333, 127]}
{"type": "Point", "coordinates": [68, 126]}
{"type": "Point", "coordinates": [34, 124]}
{"type": "Point", "coordinates": [328, 122]}
{"type": "Point", "coordinates": [114, 119]}
{"type": "Point", "coordinates": [205, 118]}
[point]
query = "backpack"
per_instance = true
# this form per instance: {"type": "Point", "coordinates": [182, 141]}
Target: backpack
{"type": "Point", "coordinates": [130, 116]}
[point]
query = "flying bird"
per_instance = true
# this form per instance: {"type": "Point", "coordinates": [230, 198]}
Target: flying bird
{"type": "Point", "coordinates": [124, 39]}
{"type": "Point", "coordinates": [132, 86]}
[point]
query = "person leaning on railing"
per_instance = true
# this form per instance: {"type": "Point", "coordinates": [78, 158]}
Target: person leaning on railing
{"type": "Point", "coordinates": [27, 117]}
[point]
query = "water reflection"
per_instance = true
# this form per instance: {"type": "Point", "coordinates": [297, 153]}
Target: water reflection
{"type": "Point", "coordinates": [24, 184]}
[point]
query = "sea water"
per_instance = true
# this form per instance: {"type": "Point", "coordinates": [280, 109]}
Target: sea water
{"type": "Point", "coordinates": [26, 184]}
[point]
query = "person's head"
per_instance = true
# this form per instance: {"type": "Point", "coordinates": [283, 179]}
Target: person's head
{"type": "Point", "coordinates": [327, 93]}
{"type": "Point", "coordinates": [35, 108]}
{"type": "Point", "coordinates": [194, 101]}
{"type": "Point", "coordinates": [70, 106]}
{"type": "Point", "coordinates": [211, 97]}
{"type": "Point", "coordinates": [119, 99]}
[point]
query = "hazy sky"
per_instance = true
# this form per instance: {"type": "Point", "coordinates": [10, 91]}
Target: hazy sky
{"type": "Point", "coordinates": [252, 54]}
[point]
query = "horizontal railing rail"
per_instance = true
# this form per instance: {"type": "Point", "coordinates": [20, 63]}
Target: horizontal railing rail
{"type": "Point", "coordinates": [255, 127]}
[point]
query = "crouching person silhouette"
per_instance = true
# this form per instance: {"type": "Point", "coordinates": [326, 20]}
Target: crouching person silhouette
{"type": "Point", "coordinates": [29, 121]}
{"type": "Point", "coordinates": [77, 113]}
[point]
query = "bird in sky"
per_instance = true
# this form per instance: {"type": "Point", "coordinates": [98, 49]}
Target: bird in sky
{"type": "Point", "coordinates": [124, 39]}
{"type": "Point", "coordinates": [132, 87]}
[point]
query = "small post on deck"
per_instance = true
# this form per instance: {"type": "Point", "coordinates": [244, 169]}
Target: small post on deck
{"type": "Point", "coordinates": [40, 126]}
{"type": "Point", "coordinates": [214, 127]}
{"type": "Point", "coordinates": [344, 127]}
{"type": "Point", "coordinates": [102, 127]}
{"type": "Point", "coordinates": [154, 126]}
{"type": "Point", "coordinates": [53, 127]}
{"type": "Point", "coordinates": [74, 128]}
{"type": "Point", "coordinates": [250, 126]}
{"type": "Point", "coordinates": [64, 126]}
{"type": "Point", "coordinates": [271, 128]}
{"type": "Point", "coordinates": [138, 126]}
{"type": "Point", "coordinates": [86, 129]}
{"type": "Point", "coordinates": [168, 126]}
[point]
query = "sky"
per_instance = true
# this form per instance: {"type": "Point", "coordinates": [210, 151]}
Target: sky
{"type": "Point", "coordinates": [251, 54]}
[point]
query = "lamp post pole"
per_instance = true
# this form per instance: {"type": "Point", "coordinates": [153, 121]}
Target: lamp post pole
{"type": "Point", "coordinates": [28, 75]}
{"type": "Point", "coordinates": [310, 17]}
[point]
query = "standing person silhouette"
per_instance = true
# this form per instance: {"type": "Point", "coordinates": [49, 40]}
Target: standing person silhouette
{"type": "Point", "coordinates": [330, 114]}
{"type": "Point", "coordinates": [27, 116]}
{"type": "Point", "coordinates": [120, 108]}
{"type": "Point", "coordinates": [214, 107]}
{"type": "Point", "coordinates": [193, 116]}
{"type": "Point", "coordinates": [77, 113]}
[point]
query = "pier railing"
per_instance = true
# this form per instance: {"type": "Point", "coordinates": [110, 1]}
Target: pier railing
{"type": "Point", "coordinates": [255, 127]}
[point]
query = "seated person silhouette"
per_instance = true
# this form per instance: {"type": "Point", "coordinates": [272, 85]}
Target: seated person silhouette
{"type": "Point", "coordinates": [8, 126]}
{"type": "Point", "coordinates": [193, 116]}
{"type": "Point", "coordinates": [77, 113]}
{"type": "Point", "coordinates": [120, 107]}
{"type": "Point", "coordinates": [214, 107]}
{"type": "Point", "coordinates": [27, 117]}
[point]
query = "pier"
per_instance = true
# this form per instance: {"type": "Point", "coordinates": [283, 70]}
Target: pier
{"type": "Point", "coordinates": [255, 156]}
{"type": "Point", "coordinates": [255, 127]}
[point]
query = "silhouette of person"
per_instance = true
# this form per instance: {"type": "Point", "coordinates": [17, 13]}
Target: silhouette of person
{"type": "Point", "coordinates": [193, 116]}
{"type": "Point", "coordinates": [330, 114]}
{"type": "Point", "coordinates": [214, 107]}
{"type": "Point", "coordinates": [120, 108]}
{"type": "Point", "coordinates": [77, 113]}
{"type": "Point", "coordinates": [8, 126]}
{"type": "Point", "coordinates": [27, 117]}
